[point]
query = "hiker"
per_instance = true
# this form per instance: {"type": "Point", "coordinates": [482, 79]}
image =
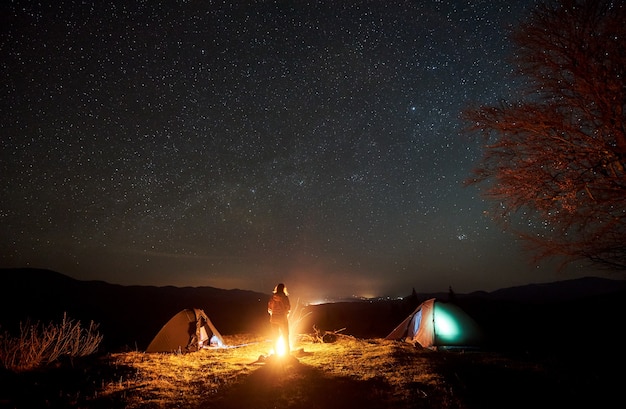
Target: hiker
{"type": "Point", "coordinates": [279, 307]}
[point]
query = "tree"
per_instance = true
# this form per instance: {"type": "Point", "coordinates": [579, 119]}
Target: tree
{"type": "Point", "coordinates": [553, 161]}
{"type": "Point", "coordinates": [451, 294]}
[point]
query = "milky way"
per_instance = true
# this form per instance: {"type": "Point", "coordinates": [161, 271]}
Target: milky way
{"type": "Point", "coordinates": [233, 145]}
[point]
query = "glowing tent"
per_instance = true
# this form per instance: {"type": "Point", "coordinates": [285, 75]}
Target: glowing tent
{"type": "Point", "coordinates": [436, 324]}
{"type": "Point", "coordinates": [187, 331]}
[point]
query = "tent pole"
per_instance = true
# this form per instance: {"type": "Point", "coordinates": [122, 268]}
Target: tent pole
{"type": "Point", "coordinates": [434, 327]}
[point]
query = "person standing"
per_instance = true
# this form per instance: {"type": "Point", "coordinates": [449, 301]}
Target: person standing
{"type": "Point", "coordinates": [279, 308]}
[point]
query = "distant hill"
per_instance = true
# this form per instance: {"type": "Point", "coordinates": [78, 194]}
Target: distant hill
{"type": "Point", "coordinates": [130, 316]}
{"type": "Point", "coordinates": [560, 291]}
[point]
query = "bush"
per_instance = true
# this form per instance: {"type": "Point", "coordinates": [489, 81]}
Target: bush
{"type": "Point", "coordinates": [40, 344]}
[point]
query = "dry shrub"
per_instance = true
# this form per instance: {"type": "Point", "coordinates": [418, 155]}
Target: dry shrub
{"type": "Point", "coordinates": [38, 344]}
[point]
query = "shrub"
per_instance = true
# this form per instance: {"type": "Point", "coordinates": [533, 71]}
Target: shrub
{"type": "Point", "coordinates": [39, 344]}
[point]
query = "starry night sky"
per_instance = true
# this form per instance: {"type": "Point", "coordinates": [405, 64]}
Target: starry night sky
{"type": "Point", "coordinates": [238, 144]}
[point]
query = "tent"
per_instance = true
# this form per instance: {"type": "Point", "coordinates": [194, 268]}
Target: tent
{"type": "Point", "coordinates": [436, 324]}
{"type": "Point", "coordinates": [187, 331]}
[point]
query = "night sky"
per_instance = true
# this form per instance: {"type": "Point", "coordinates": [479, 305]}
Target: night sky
{"type": "Point", "coordinates": [239, 144]}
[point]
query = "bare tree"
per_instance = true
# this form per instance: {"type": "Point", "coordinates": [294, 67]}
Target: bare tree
{"type": "Point", "coordinates": [553, 161]}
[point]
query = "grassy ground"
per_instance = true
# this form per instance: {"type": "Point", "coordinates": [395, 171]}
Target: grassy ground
{"type": "Point", "coordinates": [363, 373]}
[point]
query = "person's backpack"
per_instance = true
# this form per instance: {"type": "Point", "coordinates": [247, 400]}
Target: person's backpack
{"type": "Point", "coordinates": [277, 305]}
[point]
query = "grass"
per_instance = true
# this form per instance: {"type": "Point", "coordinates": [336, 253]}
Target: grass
{"type": "Point", "coordinates": [351, 372]}
{"type": "Point", "coordinates": [360, 368]}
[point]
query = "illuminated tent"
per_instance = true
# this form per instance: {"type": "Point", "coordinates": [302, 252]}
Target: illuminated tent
{"type": "Point", "coordinates": [189, 330]}
{"type": "Point", "coordinates": [436, 324]}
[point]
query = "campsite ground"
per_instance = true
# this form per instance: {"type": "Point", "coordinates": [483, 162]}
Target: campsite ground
{"type": "Point", "coordinates": [351, 372]}
{"type": "Point", "coordinates": [555, 346]}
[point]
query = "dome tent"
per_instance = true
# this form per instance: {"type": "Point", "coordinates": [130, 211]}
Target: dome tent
{"type": "Point", "coordinates": [436, 324]}
{"type": "Point", "coordinates": [187, 331]}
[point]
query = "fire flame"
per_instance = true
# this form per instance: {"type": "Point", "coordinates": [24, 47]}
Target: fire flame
{"type": "Point", "coordinates": [281, 347]}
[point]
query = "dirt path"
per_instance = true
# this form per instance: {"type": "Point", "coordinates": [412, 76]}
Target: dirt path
{"type": "Point", "coordinates": [287, 383]}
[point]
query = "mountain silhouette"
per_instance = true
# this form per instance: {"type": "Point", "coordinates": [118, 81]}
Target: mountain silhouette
{"type": "Point", "coordinates": [130, 316]}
